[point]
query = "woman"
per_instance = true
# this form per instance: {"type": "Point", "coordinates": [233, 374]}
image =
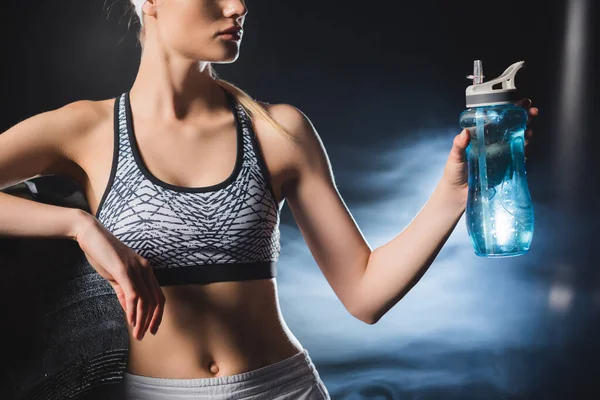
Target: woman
{"type": "Point", "coordinates": [185, 175]}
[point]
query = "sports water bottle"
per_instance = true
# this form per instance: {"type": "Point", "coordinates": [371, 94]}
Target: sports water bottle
{"type": "Point", "coordinates": [499, 211]}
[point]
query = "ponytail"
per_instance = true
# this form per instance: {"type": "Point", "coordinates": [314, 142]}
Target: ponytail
{"type": "Point", "coordinates": [252, 107]}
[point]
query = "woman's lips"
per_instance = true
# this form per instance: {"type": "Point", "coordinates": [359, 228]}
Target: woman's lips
{"type": "Point", "coordinates": [237, 35]}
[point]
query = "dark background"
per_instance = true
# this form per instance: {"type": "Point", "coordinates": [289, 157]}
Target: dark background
{"type": "Point", "coordinates": [383, 83]}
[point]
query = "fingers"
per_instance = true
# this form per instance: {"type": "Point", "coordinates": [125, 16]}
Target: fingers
{"type": "Point", "coordinates": [144, 298]}
{"type": "Point", "coordinates": [160, 310]}
{"type": "Point", "coordinates": [142, 302]}
{"type": "Point", "coordinates": [528, 134]}
{"type": "Point", "coordinates": [150, 300]}
{"type": "Point", "coordinates": [533, 111]}
{"type": "Point", "coordinates": [525, 103]}
{"type": "Point", "coordinates": [130, 292]}
{"type": "Point", "coordinates": [156, 299]}
{"type": "Point", "coordinates": [156, 313]}
{"type": "Point", "coordinates": [149, 304]}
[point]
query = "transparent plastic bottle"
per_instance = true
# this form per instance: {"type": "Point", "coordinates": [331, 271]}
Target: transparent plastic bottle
{"type": "Point", "coordinates": [499, 211]}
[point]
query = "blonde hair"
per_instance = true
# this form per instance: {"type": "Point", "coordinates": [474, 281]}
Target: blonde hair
{"type": "Point", "coordinates": [252, 107]}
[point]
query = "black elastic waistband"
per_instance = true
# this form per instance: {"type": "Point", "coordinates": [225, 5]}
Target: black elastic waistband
{"type": "Point", "coordinates": [216, 273]}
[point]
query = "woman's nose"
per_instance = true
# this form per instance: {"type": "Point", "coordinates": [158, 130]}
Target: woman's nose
{"type": "Point", "coordinates": [235, 7]}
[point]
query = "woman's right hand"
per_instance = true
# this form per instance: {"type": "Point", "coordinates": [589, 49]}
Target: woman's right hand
{"type": "Point", "coordinates": [130, 275]}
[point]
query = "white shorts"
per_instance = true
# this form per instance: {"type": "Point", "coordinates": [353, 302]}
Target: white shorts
{"type": "Point", "coordinates": [293, 378]}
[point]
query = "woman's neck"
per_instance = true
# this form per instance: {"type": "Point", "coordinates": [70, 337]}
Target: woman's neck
{"type": "Point", "coordinates": [171, 87]}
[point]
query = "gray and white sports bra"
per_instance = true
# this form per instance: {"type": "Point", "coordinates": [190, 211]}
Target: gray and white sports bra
{"type": "Point", "coordinates": [224, 232]}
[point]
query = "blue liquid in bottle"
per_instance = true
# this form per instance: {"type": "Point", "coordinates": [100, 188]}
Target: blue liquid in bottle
{"type": "Point", "coordinates": [499, 213]}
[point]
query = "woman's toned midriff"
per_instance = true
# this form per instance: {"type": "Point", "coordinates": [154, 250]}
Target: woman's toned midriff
{"type": "Point", "coordinates": [217, 329]}
{"type": "Point", "coordinates": [207, 330]}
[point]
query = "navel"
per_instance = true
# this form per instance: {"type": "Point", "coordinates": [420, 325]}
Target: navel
{"type": "Point", "coordinates": [212, 366]}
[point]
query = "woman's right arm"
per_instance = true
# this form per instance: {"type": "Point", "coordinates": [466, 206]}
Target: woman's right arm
{"type": "Point", "coordinates": [24, 217]}
{"type": "Point", "coordinates": [42, 145]}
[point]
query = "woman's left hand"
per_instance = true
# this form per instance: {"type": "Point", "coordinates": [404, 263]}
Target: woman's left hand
{"type": "Point", "coordinates": [456, 169]}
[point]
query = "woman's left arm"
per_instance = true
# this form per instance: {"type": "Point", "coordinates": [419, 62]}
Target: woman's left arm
{"type": "Point", "coordinates": [367, 282]}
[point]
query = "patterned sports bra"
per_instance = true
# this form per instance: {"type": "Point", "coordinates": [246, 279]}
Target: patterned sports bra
{"type": "Point", "coordinates": [225, 232]}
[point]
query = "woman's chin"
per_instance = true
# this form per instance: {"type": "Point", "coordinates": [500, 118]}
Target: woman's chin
{"type": "Point", "coordinates": [227, 57]}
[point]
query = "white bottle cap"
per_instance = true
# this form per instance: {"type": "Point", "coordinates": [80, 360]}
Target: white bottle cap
{"type": "Point", "coordinates": [484, 94]}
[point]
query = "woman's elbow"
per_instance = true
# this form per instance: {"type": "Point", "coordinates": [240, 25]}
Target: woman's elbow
{"type": "Point", "coordinates": [365, 316]}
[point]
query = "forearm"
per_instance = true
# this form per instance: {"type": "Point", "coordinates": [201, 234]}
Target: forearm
{"type": "Point", "coordinates": [28, 218]}
{"type": "Point", "coordinates": [394, 268]}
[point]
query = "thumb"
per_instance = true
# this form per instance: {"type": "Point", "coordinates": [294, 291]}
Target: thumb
{"type": "Point", "coordinates": [460, 144]}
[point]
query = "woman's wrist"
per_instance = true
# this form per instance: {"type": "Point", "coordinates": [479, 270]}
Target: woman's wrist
{"type": "Point", "coordinates": [455, 197]}
{"type": "Point", "coordinates": [79, 220]}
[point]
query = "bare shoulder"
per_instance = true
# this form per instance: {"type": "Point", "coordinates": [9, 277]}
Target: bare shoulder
{"type": "Point", "coordinates": [70, 124]}
{"type": "Point", "coordinates": [79, 115]}
{"type": "Point", "coordinates": [309, 153]}
{"type": "Point", "coordinates": [295, 122]}
{"type": "Point", "coordinates": [79, 120]}
{"type": "Point", "coordinates": [48, 142]}
{"type": "Point", "coordinates": [85, 115]}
